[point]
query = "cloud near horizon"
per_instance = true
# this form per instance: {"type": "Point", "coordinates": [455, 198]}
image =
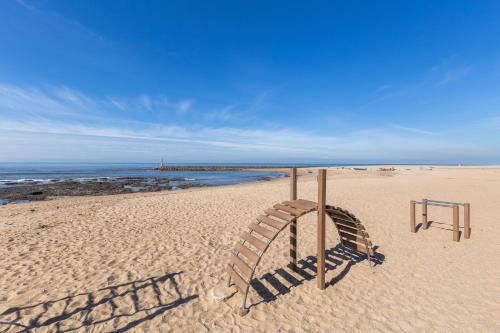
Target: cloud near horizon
{"type": "Point", "coordinates": [60, 123]}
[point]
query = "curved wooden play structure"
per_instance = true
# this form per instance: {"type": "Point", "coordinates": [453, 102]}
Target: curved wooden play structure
{"type": "Point", "coordinates": [253, 244]}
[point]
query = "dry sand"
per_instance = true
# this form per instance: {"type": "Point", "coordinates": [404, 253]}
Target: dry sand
{"type": "Point", "coordinates": [148, 262]}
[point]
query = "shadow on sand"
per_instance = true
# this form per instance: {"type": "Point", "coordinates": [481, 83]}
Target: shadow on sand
{"type": "Point", "coordinates": [442, 226]}
{"type": "Point", "coordinates": [78, 312]}
{"type": "Point", "coordinates": [307, 270]}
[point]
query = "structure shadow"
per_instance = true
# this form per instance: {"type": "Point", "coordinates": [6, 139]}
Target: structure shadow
{"type": "Point", "coordinates": [270, 286]}
{"type": "Point", "coordinates": [89, 310]}
{"type": "Point", "coordinates": [443, 226]}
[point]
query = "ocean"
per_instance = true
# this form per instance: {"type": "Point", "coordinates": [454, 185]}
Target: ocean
{"type": "Point", "coordinates": [12, 174]}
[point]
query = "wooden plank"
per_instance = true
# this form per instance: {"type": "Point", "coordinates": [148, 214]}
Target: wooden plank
{"type": "Point", "coordinates": [280, 215]}
{"type": "Point", "coordinates": [271, 222]}
{"type": "Point", "coordinates": [321, 235]}
{"type": "Point", "coordinates": [354, 232]}
{"type": "Point", "coordinates": [359, 227]}
{"type": "Point", "coordinates": [290, 210]}
{"type": "Point", "coordinates": [237, 279]}
{"type": "Point", "coordinates": [347, 229]}
{"type": "Point", "coordinates": [357, 247]}
{"type": "Point", "coordinates": [300, 205]}
{"type": "Point", "coordinates": [249, 254]}
{"type": "Point", "coordinates": [242, 266]}
{"type": "Point", "coordinates": [309, 203]}
{"type": "Point", "coordinates": [355, 238]}
{"type": "Point", "coordinates": [345, 221]}
{"type": "Point", "coordinates": [257, 243]}
{"type": "Point", "coordinates": [262, 231]}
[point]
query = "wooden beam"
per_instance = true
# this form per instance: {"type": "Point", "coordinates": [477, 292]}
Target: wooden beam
{"type": "Point", "coordinates": [424, 214]}
{"type": "Point", "coordinates": [456, 232]}
{"type": "Point", "coordinates": [293, 224]}
{"type": "Point", "coordinates": [321, 229]}
{"type": "Point", "coordinates": [467, 220]}
{"type": "Point", "coordinates": [413, 227]}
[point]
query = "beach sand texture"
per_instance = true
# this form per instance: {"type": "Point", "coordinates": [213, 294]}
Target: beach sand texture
{"type": "Point", "coordinates": [148, 262]}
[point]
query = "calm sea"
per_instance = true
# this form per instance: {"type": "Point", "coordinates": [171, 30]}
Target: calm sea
{"type": "Point", "coordinates": [12, 174]}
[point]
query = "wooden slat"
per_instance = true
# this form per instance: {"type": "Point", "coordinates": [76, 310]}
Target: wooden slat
{"type": "Point", "coordinates": [342, 219]}
{"type": "Point", "coordinates": [355, 238]}
{"type": "Point", "coordinates": [237, 279]}
{"type": "Point", "coordinates": [262, 231]}
{"type": "Point", "coordinates": [271, 222]}
{"type": "Point", "coordinates": [351, 237]}
{"type": "Point", "coordinates": [352, 230]}
{"type": "Point", "coordinates": [249, 254]}
{"type": "Point", "coordinates": [242, 266]}
{"type": "Point", "coordinates": [309, 203]}
{"type": "Point", "coordinates": [350, 225]}
{"type": "Point", "coordinates": [358, 247]}
{"type": "Point", "coordinates": [290, 210]}
{"type": "Point", "coordinates": [347, 229]}
{"type": "Point", "coordinates": [261, 245]}
{"type": "Point", "coordinates": [302, 204]}
{"type": "Point", "coordinates": [280, 215]}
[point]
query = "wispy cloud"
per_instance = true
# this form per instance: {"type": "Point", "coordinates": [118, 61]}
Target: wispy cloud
{"type": "Point", "coordinates": [66, 114]}
{"type": "Point", "coordinates": [184, 106]}
{"type": "Point", "coordinates": [74, 97]}
{"type": "Point", "coordinates": [57, 19]}
{"type": "Point", "coordinates": [411, 129]}
{"type": "Point", "coordinates": [451, 69]}
{"type": "Point", "coordinates": [119, 104]}
{"type": "Point", "coordinates": [27, 6]}
{"type": "Point", "coordinates": [454, 74]}
{"type": "Point", "coordinates": [382, 88]}
{"type": "Point", "coordinates": [145, 102]}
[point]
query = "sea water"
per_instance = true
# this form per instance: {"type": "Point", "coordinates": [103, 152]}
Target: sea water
{"type": "Point", "coordinates": [19, 174]}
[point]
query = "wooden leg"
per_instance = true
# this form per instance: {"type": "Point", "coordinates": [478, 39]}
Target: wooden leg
{"type": "Point", "coordinates": [456, 232]}
{"type": "Point", "coordinates": [467, 220]}
{"type": "Point", "coordinates": [321, 229]}
{"type": "Point", "coordinates": [413, 227]}
{"type": "Point", "coordinates": [293, 224]}
{"type": "Point", "coordinates": [293, 245]}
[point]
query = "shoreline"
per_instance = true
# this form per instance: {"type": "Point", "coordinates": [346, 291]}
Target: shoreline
{"type": "Point", "coordinates": [31, 191]}
{"type": "Point", "coordinates": [133, 185]}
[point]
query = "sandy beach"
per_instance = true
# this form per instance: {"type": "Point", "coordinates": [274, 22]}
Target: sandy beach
{"type": "Point", "coordinates": [148, 262]}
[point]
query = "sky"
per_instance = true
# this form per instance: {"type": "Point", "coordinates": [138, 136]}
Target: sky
{"type": "Point", "coordinates": [250, 81]}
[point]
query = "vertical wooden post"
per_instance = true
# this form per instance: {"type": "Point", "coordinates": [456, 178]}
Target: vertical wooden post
{"type": "Point", "coordinates": [413, 227]}
{"type": "Point", "coordinates": [456, 232]}
{"type": "Point", "coordinates": [424, 213]}
{"type": "Point", "coordinates": [321, 229]}
{"type": "Point", "coordinates": [467, 220]}
{"type": "Point", "coordinates": [293, 224]}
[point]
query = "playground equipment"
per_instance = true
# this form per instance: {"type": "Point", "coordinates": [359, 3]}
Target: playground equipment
{"type": "Point", "coordinates": [249, 250]}
{"type": "Point", "coordinates": [453, 205]}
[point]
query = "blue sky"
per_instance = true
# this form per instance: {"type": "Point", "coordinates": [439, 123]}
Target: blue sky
{"type": "Point", "coordinates": [249, 81]}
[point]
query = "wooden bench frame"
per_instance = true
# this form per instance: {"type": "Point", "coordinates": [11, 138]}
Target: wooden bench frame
{"type": "Point", "coordinates": [248, 252]}
{"type": "Point", "coordinates": [438, 203]}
